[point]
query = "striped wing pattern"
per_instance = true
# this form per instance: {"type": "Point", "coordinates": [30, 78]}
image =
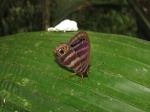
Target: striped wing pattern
{"type": "Point", "coordinates": [76, 54]}
{"type": "Point", "coordinates": [81, 44]}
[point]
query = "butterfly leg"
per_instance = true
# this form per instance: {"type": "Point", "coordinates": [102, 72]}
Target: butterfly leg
{"type": "Point", "coordinates": [81, 78]}
{"type": "Point", "coordinates": [73, 74]}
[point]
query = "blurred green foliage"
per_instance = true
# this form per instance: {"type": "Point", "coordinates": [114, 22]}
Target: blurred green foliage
{"type": "Point", "coordinates": [20, 16]}
{"type": "Point", "coordinates": [107, 20]}
{"type": "Point", "coordinates": [110, 16]}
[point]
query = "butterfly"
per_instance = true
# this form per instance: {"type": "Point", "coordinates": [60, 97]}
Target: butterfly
{"type": "Point", "coordinates": [75, 55]}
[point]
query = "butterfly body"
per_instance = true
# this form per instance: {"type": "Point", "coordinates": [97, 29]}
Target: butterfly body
{"type": "Point", "coordinates": [75, 55]}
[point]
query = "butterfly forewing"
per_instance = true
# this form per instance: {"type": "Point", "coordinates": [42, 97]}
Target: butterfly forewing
{"type": "Point", "coordinates": [76, 54]}
{"type": "Point", "coordinates": [81, 44]}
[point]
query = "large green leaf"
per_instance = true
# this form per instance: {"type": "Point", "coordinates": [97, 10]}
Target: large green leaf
{"type": "Point", "coordinates": [31, 80]}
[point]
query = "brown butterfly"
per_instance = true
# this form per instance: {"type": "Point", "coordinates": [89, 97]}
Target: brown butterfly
{"type": "Point", "coordinates": [75, 55]}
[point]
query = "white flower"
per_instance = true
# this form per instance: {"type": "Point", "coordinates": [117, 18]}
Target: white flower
{"type": "Point", "coordinates": [66, 25]}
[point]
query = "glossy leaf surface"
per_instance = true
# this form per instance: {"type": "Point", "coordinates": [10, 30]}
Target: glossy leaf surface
{"type": "Point", "coordinates": [31, 80]}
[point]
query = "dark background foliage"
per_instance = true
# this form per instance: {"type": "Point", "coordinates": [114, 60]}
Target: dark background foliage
{"type": "Point", "coordinates": [126, 17]}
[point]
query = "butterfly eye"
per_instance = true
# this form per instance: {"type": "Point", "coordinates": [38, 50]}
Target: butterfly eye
{"type": "Point", "coordinates": [61, 51]}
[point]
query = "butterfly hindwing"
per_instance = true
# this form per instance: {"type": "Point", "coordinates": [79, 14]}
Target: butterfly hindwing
{"type": "Point", "coordinates": [67, 57]}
